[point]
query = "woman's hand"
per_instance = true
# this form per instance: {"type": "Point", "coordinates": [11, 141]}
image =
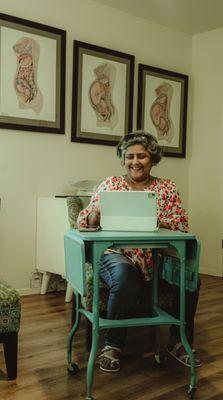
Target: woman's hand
{"type": "Point", "coordinates": [94, 217]}
{"type": "Point", "coordinates": [163, 225]}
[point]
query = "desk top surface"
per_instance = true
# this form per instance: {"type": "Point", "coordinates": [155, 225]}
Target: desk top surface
{"type": "Point", "coordinates": [162, 235]}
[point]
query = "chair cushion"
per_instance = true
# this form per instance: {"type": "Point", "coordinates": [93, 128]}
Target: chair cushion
{"type": "Point", "coordinates": [103, 292]}
{"type": "Point", "coordinates": [10, 308]}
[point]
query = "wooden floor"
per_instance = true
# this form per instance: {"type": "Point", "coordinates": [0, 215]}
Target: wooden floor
{"type": "Point", "coordinates": [42, 373]}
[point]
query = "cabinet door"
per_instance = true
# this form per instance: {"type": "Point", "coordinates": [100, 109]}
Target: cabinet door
{"type": "Point", "coordinates": [52, 224]}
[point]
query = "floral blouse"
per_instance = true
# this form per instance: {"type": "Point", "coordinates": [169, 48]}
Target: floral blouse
{"type": "Point", "coordinates": [169, 209]}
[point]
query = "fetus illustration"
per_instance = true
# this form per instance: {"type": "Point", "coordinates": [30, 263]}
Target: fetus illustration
{"type": "Point", "coordinates": [100, 95]}
{"type": "Point", "coordinates": [25, 80]}
{"type": "Point", "coordinates": [160, 112]}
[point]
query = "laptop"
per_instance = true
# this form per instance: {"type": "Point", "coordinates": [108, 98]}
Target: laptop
{"type": "Point", "coordinates": [128, 211]}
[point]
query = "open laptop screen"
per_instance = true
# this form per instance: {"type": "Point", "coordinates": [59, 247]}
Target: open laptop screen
{"type": "Point", "coordinates": [128, 211]}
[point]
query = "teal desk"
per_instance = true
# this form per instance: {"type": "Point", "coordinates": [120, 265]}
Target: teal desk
{"type": "Point", "coordinates": [89, 246]}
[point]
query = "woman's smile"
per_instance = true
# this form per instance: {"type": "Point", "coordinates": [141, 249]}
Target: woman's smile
{"type": "Point", "coordinates": [137, 163]}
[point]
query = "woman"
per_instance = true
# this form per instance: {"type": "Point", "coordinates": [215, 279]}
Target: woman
{"type": "Point", "coordinates": [124, 271]}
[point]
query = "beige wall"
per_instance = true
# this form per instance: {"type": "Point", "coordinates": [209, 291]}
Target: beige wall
{"type": "Point", "coordinates": [34, 164]}
{"type": "Point", "coordinates": [206, 165]}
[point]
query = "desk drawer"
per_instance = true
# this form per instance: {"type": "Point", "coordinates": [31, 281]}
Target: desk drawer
{"type": "Point", "coordinates": [171, 272]}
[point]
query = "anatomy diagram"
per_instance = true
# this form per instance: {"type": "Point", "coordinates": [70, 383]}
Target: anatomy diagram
{"type": "Point", "coordinates": [25, 80]}
{"type": "Point", "coordinates": [100, 95]}
{"type": "Point", "coordinates": [160, 112]}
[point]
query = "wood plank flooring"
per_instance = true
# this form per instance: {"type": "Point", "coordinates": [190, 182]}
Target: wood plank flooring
{"type": "Point", "coordinates": [42, 373]}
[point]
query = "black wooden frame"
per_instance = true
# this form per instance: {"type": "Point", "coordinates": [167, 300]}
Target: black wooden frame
{"type": "Point", "coordinates": [147, 70]}
{"type": "Point", "coordinates": [80, 48]}
{"type": "Point", "coordinates": [37, 125]}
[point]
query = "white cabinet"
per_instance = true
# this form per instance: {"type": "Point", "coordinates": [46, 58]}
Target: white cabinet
{"type": "Point", "coordinates": [52, 224]}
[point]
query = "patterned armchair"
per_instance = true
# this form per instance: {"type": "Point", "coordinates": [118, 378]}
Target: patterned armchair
{"type": "Point", "coordinates": [10, 312]}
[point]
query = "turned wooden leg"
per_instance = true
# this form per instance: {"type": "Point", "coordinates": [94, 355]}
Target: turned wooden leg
{"type": "Point", "coordinates": [69, 294]}
{"type": "Point", "coordinates": [45, 282]}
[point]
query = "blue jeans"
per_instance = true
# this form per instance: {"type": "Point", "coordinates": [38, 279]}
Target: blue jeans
{"type": "Point", "coordinates": [127, 290]}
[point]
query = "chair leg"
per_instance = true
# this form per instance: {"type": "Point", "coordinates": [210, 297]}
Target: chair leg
{"type": "Point", "coordinates": [11, 354]}
{"type": "Point", "coordinates": [73, 315]}
{"type": "Point", "coordinates": [45, 282]}
{"type": "Point", "coordinates": [88, 326]}
{"type": "Point", "coordinates": [88, 335]}
{"type": "Point", "coordinates": [69, 294]}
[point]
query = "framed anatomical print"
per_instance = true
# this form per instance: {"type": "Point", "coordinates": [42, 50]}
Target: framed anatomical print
{"type": "Point", "coordinates": [102, 94]}
{"type": "Point", "coordinates": [32, 76]}
{"type": "Point", "coordinates": [162, 107]}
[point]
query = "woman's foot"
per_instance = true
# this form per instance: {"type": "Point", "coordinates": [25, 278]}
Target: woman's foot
{"type": "Point", "coordinates": [110, 359]}
{"type": "Point", "coordinates": [179, 353]}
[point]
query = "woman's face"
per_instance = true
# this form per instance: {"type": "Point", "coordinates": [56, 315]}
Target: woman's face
{"type": "Point", "coordinates": [138, 163]}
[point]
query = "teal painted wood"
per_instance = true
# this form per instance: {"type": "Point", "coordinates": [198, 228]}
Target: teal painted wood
{"type": "Point", "coordinates": [171, 266]}
{"type": "Point", "coordinates": [77, 246]}
{"type": "Point", "coordinates": [162, 234]}
{"type": "Point", "coordinates": [162, 318]}
{"type": "Point", "coordinates": [75, 263]}
{"type": "Point", "coordinates": [75, 255]}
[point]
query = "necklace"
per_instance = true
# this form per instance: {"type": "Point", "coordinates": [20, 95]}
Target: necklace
{"type": "Point", "coordinates": [139, 185]}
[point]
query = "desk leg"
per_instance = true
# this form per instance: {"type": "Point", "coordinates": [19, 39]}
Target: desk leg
{"type": "Point", "coordinates": [95, 325]}
{"type": "Point", "coordinates": [91, 361]}
{"type": "Point", "coordinates": [155, 302]}
{"type": "Point", "coordinates": [73, 367]}
{"type": "Point", "coordinates": [181, 248]}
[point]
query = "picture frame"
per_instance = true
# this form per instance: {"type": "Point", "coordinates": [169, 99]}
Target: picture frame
{"type": "Point", "coordinates": [32, 76]}
{"type": "Point", "coordinates": [162, 107]}
{"type": "Point", "coordinates": [102, 103]}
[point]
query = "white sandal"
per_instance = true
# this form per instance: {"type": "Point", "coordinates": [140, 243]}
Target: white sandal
{"type": "Point", "coordinates": [107, 362]}
{"type": "Point", "coordinates": [183, 358]}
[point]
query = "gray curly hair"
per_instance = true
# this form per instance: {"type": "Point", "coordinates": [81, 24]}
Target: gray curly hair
{"type": "Point", "coordinates": [147, 140]}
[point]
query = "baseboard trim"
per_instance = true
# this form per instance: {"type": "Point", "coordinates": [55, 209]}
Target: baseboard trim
{"type": "Point", "coordinates": [28, 291]}
{"type": "Point", "coordinates": [207, 271]}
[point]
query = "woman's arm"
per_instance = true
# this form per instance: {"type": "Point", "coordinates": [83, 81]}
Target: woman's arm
{"type": "Point", "coordinates": [94, 217]}
{"type": "Point", "coordinates": [91, 214]}
{"type": "Point", "coordinates": [172, 215]}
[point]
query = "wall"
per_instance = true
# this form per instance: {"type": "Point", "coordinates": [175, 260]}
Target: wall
{"type": "Point", "coordinates": [34, 164]}
{"type": "Point", "coordinates": [206, 165]}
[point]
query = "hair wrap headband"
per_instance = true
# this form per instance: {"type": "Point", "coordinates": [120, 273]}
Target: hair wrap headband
{"type": "Point", "coordinates": [147, 140]}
